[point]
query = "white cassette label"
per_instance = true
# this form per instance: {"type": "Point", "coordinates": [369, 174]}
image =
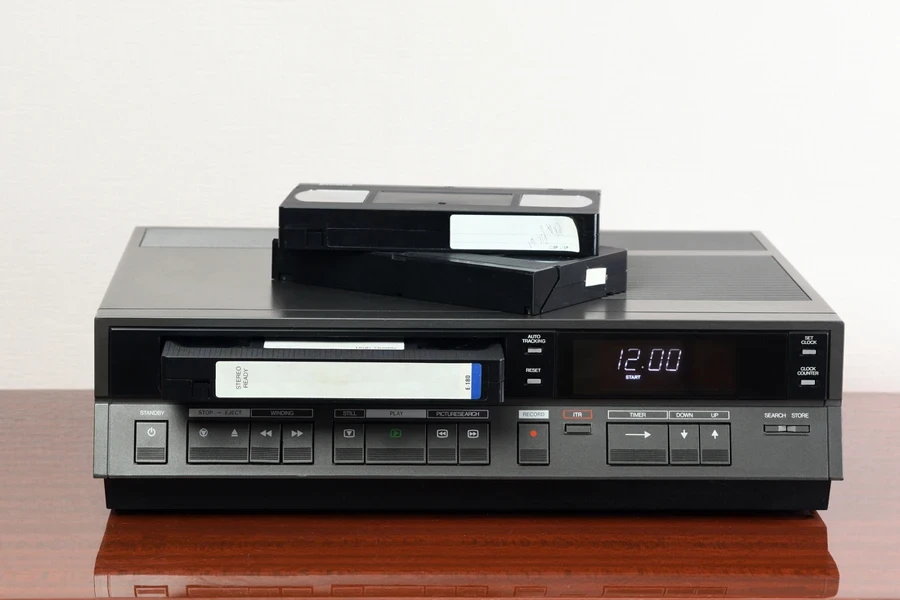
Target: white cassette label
{"type": "Point", "coordinates": [533, 233]}
{"type": "Point", "coordinates": [595, 276]}
{"type": "Point", "coordinates": [348, 380]}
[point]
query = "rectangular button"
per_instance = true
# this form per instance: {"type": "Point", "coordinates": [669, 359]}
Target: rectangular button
{"type": "Point", "coordinates": [715, 444]}
{"type": "Point", "coordinates": [150, 442]}
{"type": "Point", "coordinates": [297, 443]}
{"type": "Point", "coordinates": [349, 444]}
{"type": "Point", "coordinates": [684, 444]}
{"type": "Point", "coordinates": [442, 444]}
{"type": "Point", "coordinates": [395, 444]}
{"type": "Point", "coordinates": [218, 441]}
{"type": "Point", "coordinates": [637, 444]}
{"type": "Point", "coordinates": [534, 444]}
{"type": "Point", "coordinates": [265, 442]}
{"type": "Point", "coordinates": [798, 428]}
{"type": "Point", "coordinates": [533, 381]}
{"type": "Point", "coordinates": [532, 350]}
{"type": "Point", "coordinates": [578, 429]}
{"type": "Point", "coordinates": [474, 444]}
{"type": "Point", "coordinates": [774, 428]}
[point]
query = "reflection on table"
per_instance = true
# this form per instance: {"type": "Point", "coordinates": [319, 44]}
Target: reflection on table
{"type": "Point", "coordinates": [649, 556]}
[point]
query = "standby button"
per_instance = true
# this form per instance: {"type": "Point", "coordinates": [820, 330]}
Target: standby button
{"type": "Point", "coordinates": [150, 442]}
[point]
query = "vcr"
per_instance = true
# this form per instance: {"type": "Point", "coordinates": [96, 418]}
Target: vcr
{"type": "Point", "coordinates": [714, 382]}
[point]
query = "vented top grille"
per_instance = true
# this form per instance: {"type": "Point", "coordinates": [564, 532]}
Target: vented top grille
{"type": "Point", "coordinates": [752, 278]}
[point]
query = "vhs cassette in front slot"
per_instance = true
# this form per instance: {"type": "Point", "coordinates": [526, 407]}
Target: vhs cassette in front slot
{"type": "Point", "coordinates": [325, 370]}
{"type": "Point", "coordinates": [440, 219]}
{"type": "Point", "coordinates": [515, 284]}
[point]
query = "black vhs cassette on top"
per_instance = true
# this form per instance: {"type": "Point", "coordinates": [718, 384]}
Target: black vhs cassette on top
{"type": "Point", "coordinates": [440, 219]}
{"type": "Point", "coordinates": [524, 285]}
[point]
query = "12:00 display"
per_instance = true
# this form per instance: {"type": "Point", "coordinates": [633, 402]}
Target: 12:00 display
{"type": "Point", "coordinates": [660, 359]}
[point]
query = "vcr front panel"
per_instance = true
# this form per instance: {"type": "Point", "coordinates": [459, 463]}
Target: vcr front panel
{"type": "Point", "coordinates": [516, 367]}
{"type": "Point", "coordinates": [609, 441]}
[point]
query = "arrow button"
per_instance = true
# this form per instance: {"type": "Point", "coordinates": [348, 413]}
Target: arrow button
{"type": "Point", "coordinates": [684, 444]}
{"type": "Point", "coordinates": [715, 444]}
{"type": "Point", "coordinates": [265, 447]}
{"type": "Point", "coordinates": [629, 444]}
{"type": "Point", "coordinates": [297, 443]}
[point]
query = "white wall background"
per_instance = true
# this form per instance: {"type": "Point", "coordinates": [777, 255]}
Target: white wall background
{"type": "Point", "coordinates": [779, 116]}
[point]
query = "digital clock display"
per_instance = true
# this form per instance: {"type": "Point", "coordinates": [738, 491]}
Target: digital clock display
{"type": "Point", "coordinates": [673, 366]}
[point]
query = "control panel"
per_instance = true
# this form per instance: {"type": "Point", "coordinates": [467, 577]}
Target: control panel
{"type": "Point", "coordinates": [585, 441]}
{"type": "Point", "coordinates": [808, 364]}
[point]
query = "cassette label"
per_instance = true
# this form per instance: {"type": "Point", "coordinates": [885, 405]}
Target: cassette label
{"type": "Point", "coordinates": [533, 233]}
{"type": "Point", "coordinates": [348, 379]}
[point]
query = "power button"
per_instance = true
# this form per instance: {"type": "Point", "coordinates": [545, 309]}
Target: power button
{"type": "Point", "coordinates": [150, 442]}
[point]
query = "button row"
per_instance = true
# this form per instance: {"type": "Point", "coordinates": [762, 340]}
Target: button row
{"type": "Point", "coordinates": [682, 444]}
{"type": "Point", "coordinates": [530, 364]}
{"type": "Point", "coordinates": [412, 444]}
{"type": "Point", "coordinates": [230, 442]}
{"type": "Point", "coordinates": [808, 364]}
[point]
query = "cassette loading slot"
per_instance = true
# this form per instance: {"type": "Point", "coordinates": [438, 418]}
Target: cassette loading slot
{"type": "Point", "coordinates": [325, 371]}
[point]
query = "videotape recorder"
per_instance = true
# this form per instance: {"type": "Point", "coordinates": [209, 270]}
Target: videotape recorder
{"type": "Point", "coordinates": [714, 382]}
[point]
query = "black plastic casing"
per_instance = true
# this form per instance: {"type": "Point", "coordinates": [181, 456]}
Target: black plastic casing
{"type": "Point", "coordinates": [423, 227]}
{"type": "Point", "coordinates": [212, 287]}
{"type": "Point", "coordinates": [510, 284]}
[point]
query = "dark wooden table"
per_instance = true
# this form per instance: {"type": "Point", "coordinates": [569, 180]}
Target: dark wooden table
{"type": "Point", "coordinates": [58, 540]}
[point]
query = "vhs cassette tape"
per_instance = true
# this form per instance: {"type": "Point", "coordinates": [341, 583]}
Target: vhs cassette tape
{"type": "Point", "coordinates": [316, 369]}
{"type": "Point", "coordinates": [440, 219]}
{"type": "Point", "coordinates": [524, 285]}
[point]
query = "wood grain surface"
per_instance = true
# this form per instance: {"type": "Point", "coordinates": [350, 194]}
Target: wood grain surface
{"type": "Point", "coordinates": [58, 540]}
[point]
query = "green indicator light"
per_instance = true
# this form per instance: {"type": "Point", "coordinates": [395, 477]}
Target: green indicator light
{"type": "Point", "coordinates": [395, 433]}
